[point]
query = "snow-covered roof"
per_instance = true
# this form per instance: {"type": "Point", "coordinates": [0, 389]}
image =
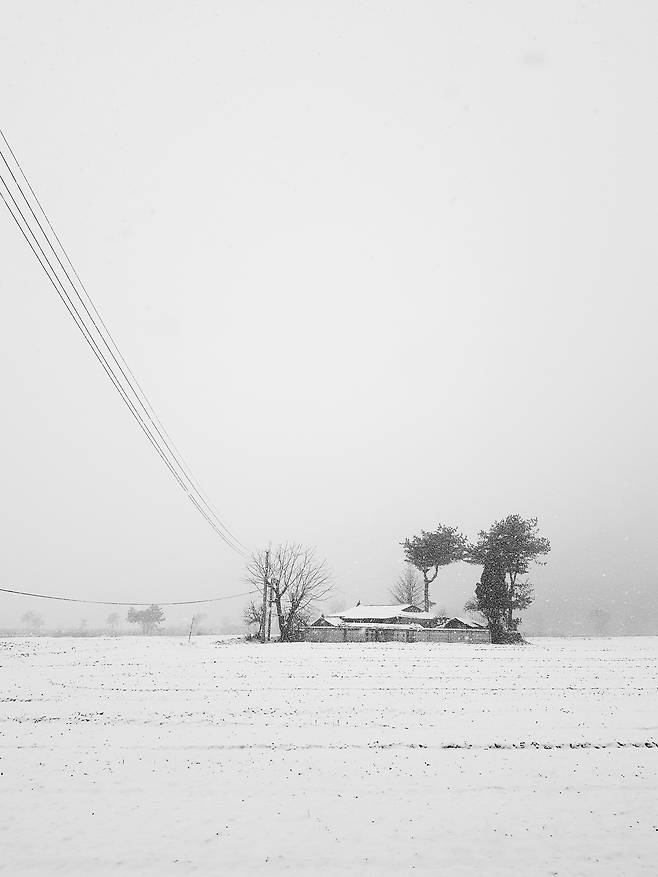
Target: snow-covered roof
{"type": "Point", "coordinates": [398, 610]}
{"type": "Point", "coordinates": [467, 621]}
{"type": "Point", "coordinates": [332, 620]}
{"type": "Point", "coordinates": [419, 616]}
{"type": "Point", "coordinates": [380, 625]}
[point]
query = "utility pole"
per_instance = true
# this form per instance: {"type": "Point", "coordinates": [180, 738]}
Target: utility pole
{"type": "Point", "coordinates": [266, 574]}
{"type": "Point", "coordinates": [269, 615]}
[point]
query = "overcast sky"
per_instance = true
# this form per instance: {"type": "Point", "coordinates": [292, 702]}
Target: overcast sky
{"type": "Point", "coordinates": [377, 265]}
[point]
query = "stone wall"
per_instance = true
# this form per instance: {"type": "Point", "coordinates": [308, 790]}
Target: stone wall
{"type": "Point", "coordinates": [454, 635]}
{"type": "Point", "coordinates": [323, 635]}
{"type": "Point", "coordinates": [427, 635]}
{"type": "Point", "coordinates": [355, 634]}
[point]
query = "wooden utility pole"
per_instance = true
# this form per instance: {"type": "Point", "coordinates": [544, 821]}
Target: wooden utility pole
{"type": "Point", "coordinates": [269, 615]}
{"type": "Point", "coordinates": [266, 573]}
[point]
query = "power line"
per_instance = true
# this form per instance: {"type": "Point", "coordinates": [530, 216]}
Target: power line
{"type": "Point", "coordinates": [107, 367]}
{"type": "Point", "coordinates": [123, 380]}
{"type": "Point", "coordinates": [107, 331]}
{"type": "Point", "coordinates": [112, 347]}
{"type": "Point", "coordinates": [61, 291]}
{"type": "Point", "coordinates": [120, 603]}
{"type": "Point", "coordinates": [74, 314]}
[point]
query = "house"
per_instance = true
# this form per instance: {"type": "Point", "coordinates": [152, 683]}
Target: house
{"type": "Point", "coordinates": [398, 623]}
{"type": "Point", "coordinates": [462, 624]}
{"type": "Point", "coordinates": [399, 613]}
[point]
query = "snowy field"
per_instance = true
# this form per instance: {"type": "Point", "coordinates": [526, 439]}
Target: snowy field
{"type": "Point", "coordinates": [152, 756]}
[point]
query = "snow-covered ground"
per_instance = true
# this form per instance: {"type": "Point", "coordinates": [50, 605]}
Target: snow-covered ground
{"type": "Point", "coordinates": [152, 756]}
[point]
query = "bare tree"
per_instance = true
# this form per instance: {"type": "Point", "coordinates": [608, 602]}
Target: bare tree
{"type": "Point", "coordinates": [32, 621]}
{"type": "Point", "coordinates": [296, 579]}
{"type": "Point", "coordinates": [408, 588]}
{"type": "Point", "coordinates": [112, 620]}
{"type": "Point", "coordinates": [253, 615]}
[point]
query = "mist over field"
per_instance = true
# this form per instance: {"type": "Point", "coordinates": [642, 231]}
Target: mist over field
{"type": "Point", "coordinates": [396, 271]}
{"type": "Point", "coordinates": [328, 471]}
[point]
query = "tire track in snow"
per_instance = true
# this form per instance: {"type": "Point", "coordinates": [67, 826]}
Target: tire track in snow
{"type": "Point", "coordinates": [302, 747]}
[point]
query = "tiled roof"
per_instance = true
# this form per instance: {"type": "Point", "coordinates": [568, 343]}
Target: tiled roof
{"type": "Point", "coordinates": [398, 610]}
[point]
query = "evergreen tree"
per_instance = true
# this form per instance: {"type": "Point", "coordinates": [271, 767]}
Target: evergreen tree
{"type": "Point", "coordinates": [430, 550]}
{"type": "Point", "coordinates": [509, 547]}
{"type": "Point", "coordinates": [490, 597]}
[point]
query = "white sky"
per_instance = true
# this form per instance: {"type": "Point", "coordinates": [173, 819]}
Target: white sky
{"type": "Point", "coordinates": [378, 266]}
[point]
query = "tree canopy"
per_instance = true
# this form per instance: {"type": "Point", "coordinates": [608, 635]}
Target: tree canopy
{"type": "Point", "coordinates": [508, 547]}
{"type": "Point", "coordinates": [432, 549]}
{"type": "Point", "coordinates": [150, 618]}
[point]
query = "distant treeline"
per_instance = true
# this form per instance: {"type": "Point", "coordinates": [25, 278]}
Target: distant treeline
{"type": "Point", "coordinates": [173, 630]}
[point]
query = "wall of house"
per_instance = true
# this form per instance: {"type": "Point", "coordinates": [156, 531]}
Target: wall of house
{"type": "Point", "coordinates": [355, 634]}
{"type": "Point", "coordinates": [453, 635]}
{"type": "Point", "coordinates": [428, 635]}
{"type": "Point", "coordinates": [323, 635]}
{"type": "Point", "coordinates": [391, 636]}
